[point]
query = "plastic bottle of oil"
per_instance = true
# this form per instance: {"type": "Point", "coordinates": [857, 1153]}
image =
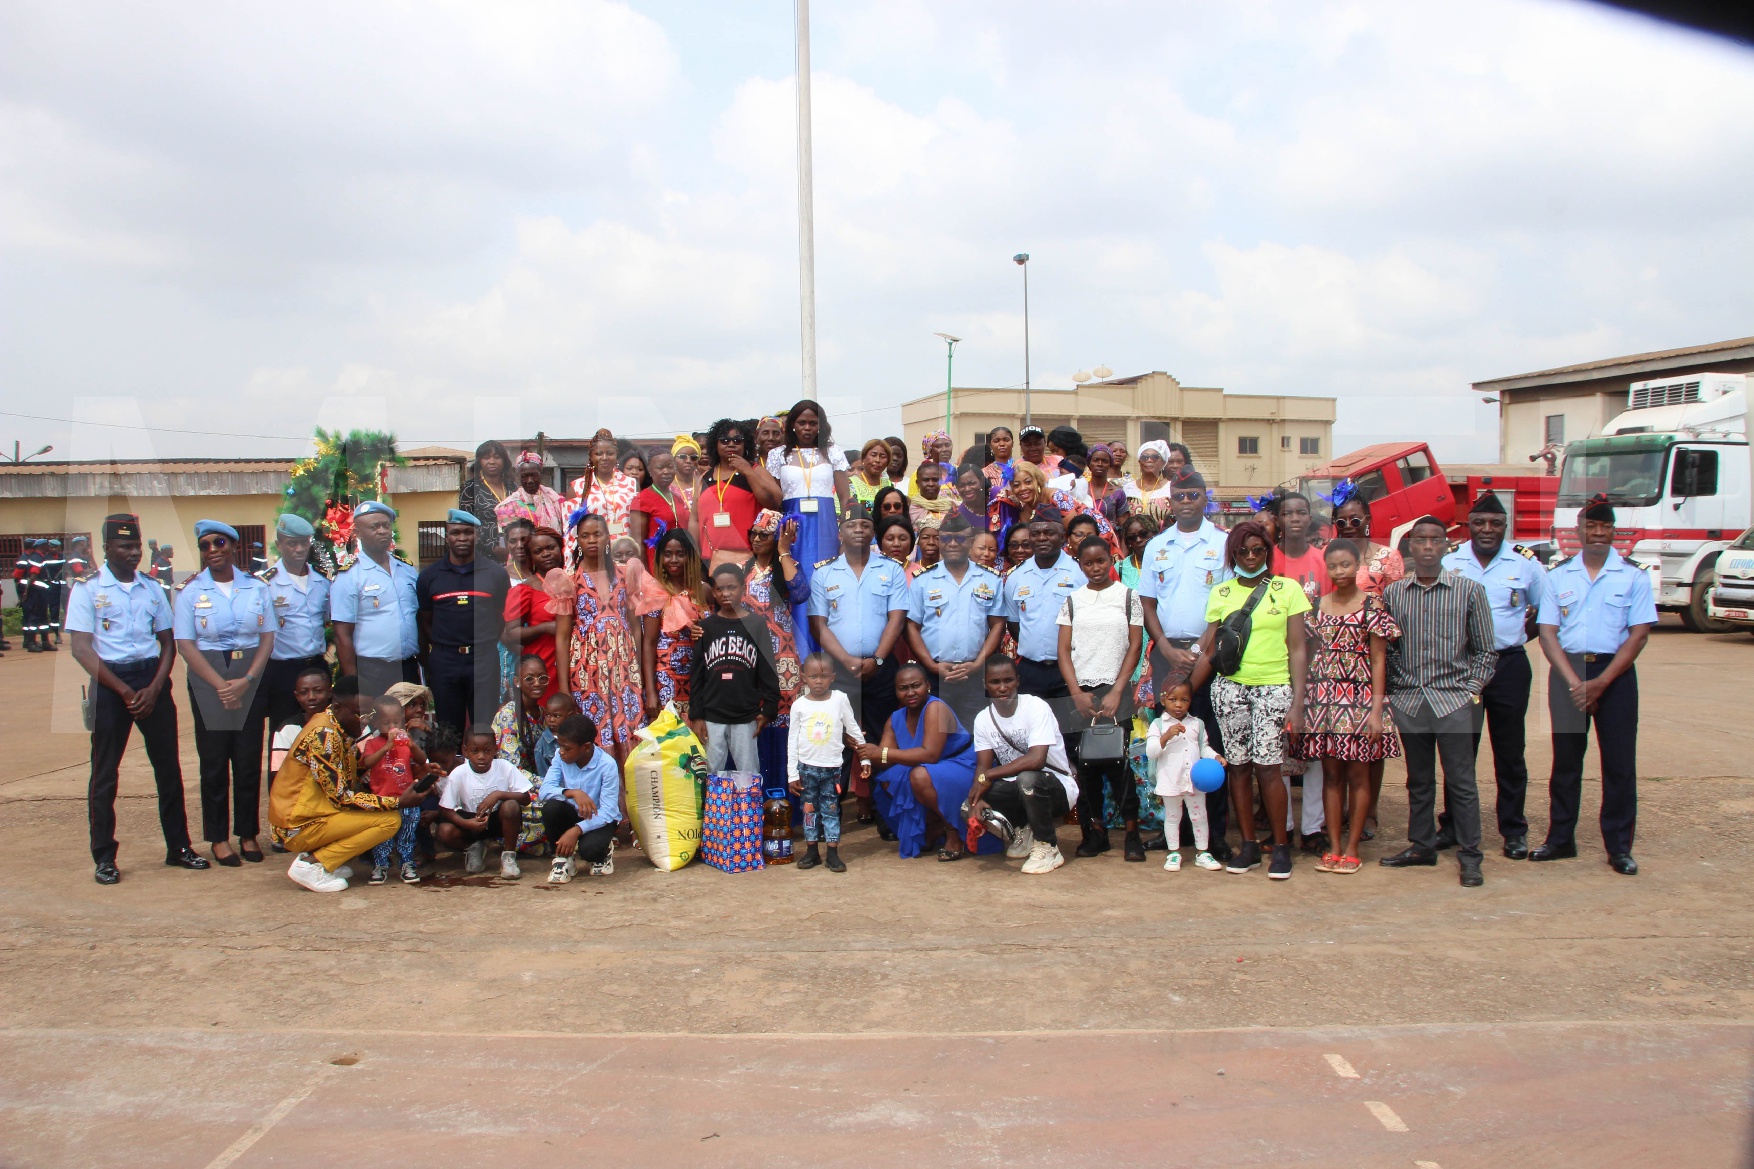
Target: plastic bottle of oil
{"type": "Point", "coordinates": [776, 829]}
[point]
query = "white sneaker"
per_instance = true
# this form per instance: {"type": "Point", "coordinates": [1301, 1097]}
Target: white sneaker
{"type": "Point", "coordinates": [572, 865]}
{"type": "Point", "coordinates": [606, 866]}
{"type": "Point", "coordinates": [560, 872]}
{"type": "Point", "coordinates": [410, 874]}
{"type": "Point", "coordinates": [1043, 858]}
{"type": "Point", "coordinates": [1207, 861]}
{"type": "Point", "coordinates": [475, 857]}
{"type": "Point", "coordinates": [508, 866]}
{"type": "Point", "coordinates": [310, 874]}
{"type": "Point", "coordinates": [1174, 863]}
{"type": "Point", "coordinates": [1022, 842]}
{"type": "Point", "coordinates": [345, 872]}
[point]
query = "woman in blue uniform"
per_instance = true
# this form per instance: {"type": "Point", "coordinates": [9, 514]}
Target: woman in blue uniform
{"type": "Point", "coordinates": [224, 635]}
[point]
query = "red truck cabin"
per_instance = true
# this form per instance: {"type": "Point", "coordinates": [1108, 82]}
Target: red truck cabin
{"type": "Point", "coordinates": [1399, 480]}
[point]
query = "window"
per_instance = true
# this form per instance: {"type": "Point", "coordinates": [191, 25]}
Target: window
{"type": "Point", "coordinates": [1309, 446]}
{"type": "Point", "coordinates": [1248, 446]}
{"type": "Point", "coordinates": [431, 541]}
{"type": "Point", "coordinates": [1695, 473]}
{"type": "Point", "coordinates": [1150, 430]}
{"type": "Point", "coordinates": [250, 553]}
{"type": "Point", "coordinates": [1414, 467]}
{"type": "Point", "coordinates": [1555, 429]}
{"type": "Point", "coordinates": [1285, 442]}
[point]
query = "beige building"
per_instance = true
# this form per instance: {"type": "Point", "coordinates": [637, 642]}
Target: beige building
{"type": "Point", "coordinates": [1561, 405]}
{"type": "Point", "coordinates": [69, 499]}
{"type": "Point", "coordinates": [1242, 443]}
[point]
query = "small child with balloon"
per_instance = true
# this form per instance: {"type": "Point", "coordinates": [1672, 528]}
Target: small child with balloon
{"type": "Point", "coordinates": [1186, 769]}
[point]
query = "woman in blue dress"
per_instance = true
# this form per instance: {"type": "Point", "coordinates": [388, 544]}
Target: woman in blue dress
{"type": "Point", "coordinates": [930, 766]}
{"type": "Point", "coordinates": [812, 473]}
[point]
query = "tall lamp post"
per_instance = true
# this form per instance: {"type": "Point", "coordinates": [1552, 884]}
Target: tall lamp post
{"type": "Point", "coordinates": [17, 458]}
{"type": "Point", "coordinates": [806, 206]}
{"type": "Point", "coordinates": [1021, 259]}
{"type": "Point", "coordinates": [949, 364]}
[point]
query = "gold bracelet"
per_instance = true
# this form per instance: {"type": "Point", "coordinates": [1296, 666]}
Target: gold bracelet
{"type": "Point", "coordinates": [885, 756]}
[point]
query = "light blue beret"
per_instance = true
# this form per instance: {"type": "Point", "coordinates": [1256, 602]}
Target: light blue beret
{"type": "Point", "coordinates": [213, 527]}
{"type": "Point", "coordinates": [459, 516]}
{"type": "Point", "coordinates": [294, 525]}
{"type": "Point", "coordinates": [374, 507]}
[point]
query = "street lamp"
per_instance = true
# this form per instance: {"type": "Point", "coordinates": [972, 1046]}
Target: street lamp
{"type": "Point", "coordinates": [949, 363]}
{"type": "Point", "coordinates": [1021, 259]}
{"type": "Point", "coordinates": [17, 458]}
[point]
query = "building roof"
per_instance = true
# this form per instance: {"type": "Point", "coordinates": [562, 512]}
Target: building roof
{"type": "Point", "coordinates": [1655, 362]}
{"type": "Point", "coordinates": [421, 453]}
{"type": "Point", "coordinates": [184, 477]}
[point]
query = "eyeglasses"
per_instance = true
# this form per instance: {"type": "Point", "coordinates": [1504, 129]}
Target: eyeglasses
{"type": "Point", "coordinates": [1187, 496]}
{"type": "Point", "coordinates": [213, 543]}
{"type": "Point", "coordinates": [953, 537]}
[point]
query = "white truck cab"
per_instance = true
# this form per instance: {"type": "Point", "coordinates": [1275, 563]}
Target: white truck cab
{"type": "Point", "coordinates": [1675, 465]}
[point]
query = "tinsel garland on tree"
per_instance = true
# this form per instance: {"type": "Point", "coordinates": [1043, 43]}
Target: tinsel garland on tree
{"type": "Point", "coordinates": [346, 470]}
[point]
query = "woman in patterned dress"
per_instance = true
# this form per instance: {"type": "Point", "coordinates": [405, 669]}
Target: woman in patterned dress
{"type": "Point", "coordinates": [516, 727]}
{"type": "Point", "coordinates": [595, 647]}
{"type": "Point", "coordinates": [670, 611]}
{"type": "Point", "coordinates": [605, 490]}
{"type": "Point", "coordinates": [1346, 721]}
{"type": "Point", "coordinates": [770, 574]}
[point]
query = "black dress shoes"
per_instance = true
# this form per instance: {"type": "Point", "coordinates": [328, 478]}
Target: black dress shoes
{"type": "Point", "coordinates": [1516, 849]}
{"type": "Point", "coordinates": [1135, 848]}
{"type": "Point", "coordinates": [1446, 837]}
{"type": "Point", "coordinates": [1554, 852]}
{"type": "Point", "coordinates": [1622, 863]}
{"type": "Point", "coordinates": [1471, 878]}
{"type": "Point", "coordinates": [185, 858]}
{"type": "Point", "coordinates": [108, 874]}
{"type": "Point", "coordinates": [1408, 857]}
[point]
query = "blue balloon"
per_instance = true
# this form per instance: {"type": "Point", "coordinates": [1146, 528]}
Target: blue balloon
{"type": "Point", "coordinates": [1208, 775]}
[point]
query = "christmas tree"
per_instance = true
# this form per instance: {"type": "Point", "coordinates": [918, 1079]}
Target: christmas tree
{"type": "Point", "coordinates": [346, 470]}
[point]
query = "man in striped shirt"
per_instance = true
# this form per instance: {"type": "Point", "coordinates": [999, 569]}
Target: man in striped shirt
{"type": "Point", "coordinates": [1445, 656]}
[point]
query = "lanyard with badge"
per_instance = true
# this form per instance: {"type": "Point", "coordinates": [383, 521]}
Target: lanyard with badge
{"type": "Point", "coordinates": [721, 518]}
{"type": "Point", "coordinates": [807, 460]}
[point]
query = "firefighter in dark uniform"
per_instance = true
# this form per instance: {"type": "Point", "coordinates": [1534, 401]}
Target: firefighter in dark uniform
{"type": "Point", "coordinates": [33, 596]}
{"type": "Point", "coordinates": [461, 616]}
{"type": "Point", "coordinates": [54, 569]}
{"type": "Point", "coordinates": [121, 626]}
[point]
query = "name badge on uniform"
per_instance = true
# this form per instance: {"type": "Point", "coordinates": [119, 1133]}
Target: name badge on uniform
{"type": "Point", "coordinates": [808, 506]}
{"type": "Point", "coordinates": [462, 600]}
{"type": "Point", "coordinates": [101, 601]}
{"type": "Point", "coordinates": [722, 519]}
{"type": "Point", "coordinates": [370, 588]}
{"type": "Point", "coordinates": [933, 596]}
{"type": "Point", "coordinates": [282, 601]}
{"type": "Point", "coordinates": [203, 603]}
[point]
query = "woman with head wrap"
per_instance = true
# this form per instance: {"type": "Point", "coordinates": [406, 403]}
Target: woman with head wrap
{"type": "Point", "coordinates": [770, 434]}
{"type": "Point", "coordinates": [534, 500]}
{"type": "Point", "coordinates": [1149, 492]}
{"type": "Point", "coordinates": [687, 453]}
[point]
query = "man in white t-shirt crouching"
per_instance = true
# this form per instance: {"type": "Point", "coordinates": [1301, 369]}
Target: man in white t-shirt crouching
{"type": "Point", "coordinates": [1021, 769]}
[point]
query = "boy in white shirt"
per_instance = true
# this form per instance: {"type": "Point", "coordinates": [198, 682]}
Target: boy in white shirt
{"type": "Point", "coordinates": [822, 721]}
{"type": "Point", "coordinates": [1021, 769]}
{"type": "Point", "coordinates": [484, 791]}
{"type": "Point", "coordinates": [1172, 744]}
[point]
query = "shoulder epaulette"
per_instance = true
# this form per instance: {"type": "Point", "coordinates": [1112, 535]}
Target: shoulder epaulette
{"type": "Point", "coordinates": [402, 556]}
{"type": "Point", "coordinates": [184, 583]}
{"type": "Point", "coordinates": [82, 577]}
{"type": "Point", "coordinates": [1566, 561]}
{"type": "Point", "coordinates": [832, 559]}
{"type": "Point", "coordinates": [263, 574]}
{"type": "Point", "coordinates": [322, 570]}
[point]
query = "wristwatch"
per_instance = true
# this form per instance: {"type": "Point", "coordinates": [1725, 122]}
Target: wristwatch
{"type": "Point", "coordinates": [879, 662]}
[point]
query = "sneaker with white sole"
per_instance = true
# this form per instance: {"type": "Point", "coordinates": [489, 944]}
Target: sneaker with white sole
{"type": "Point", "coordinates": [311, 875]}
{"type": "Point", "coordinates": [508, 865]}
{"type": "Point", "coordinates": [1207, 861]}
{"type": "Point", "coordinates": [410, 874]}
{"type": "Point", "coordinates": [1173, 864]}
{"type": "Point", "coordinates": [560, 872]}
{"type": "Point", "coordinates": [606, 866]}
{"type": "Point", "coordinates": [475, 857]}
{"type": "Point", "coordinates": [1280, 868]}
{"type": "Point", "coordinates": [380, 874]}
{"type": "Point", "coordinates": [1022, 843]}
{"type": "Point", "coordinates": [1043, 858]}
{"type": "Point", "coordinates": [572, 866]}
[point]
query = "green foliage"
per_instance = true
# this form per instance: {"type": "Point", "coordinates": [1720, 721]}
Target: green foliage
{"type": "Point", "coordinates": [343, 470]}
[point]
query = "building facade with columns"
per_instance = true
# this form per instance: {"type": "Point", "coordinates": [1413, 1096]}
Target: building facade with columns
{"type": "Point", "coordinates": [1243, 443]}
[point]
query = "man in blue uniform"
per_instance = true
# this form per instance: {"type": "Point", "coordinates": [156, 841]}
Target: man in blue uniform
{"type": "Point", "coordinates": [298, 598]}
{"type": "Point", "coordinates": [858, 606]}
{"type": "Point", "coordinates": [1514, 585]}
{"type": "Point", "coordinates": [1595, 619]}
{"type": "Point", "coordinates": [461, 610]}
{"type": "Point", "coordinates": [374, 608]}
{"type": "Point", "coordinates": [955, 621]}
{"type": "Point", "coordinates": [1035, 592]}
{"type": "Point", "coordinates": [121, 626]}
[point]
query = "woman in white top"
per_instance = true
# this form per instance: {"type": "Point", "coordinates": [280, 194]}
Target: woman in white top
{"type": "Point", "coordinates": [1149, 493]}
{"type": "Point", "coordinates": [1101, 634]}
{"type": "Point", "coordinates": [812, 473]}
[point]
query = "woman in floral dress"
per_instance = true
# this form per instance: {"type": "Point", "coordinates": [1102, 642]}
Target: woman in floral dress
{"type": "Point", "coordinates": [1346, 722]}
{"type": "Point", "coordinates": [770, 575]}
{"type": "Point", "coordinates": [670, 606]}
{"type": "Point", "coordinates": [595, 647]}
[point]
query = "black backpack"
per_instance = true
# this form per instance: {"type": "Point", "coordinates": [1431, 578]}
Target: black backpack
{"type": "Point", "coordinates": [1232, 636]}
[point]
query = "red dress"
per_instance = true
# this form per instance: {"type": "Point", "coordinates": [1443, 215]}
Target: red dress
{"type": "Point", "coordinates": [528, 605]}
{"type": "Point", "coordinates": [662, 515]}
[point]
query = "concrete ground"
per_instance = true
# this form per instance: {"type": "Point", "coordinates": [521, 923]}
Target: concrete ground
{"type": "Point", "coordinates": [906, 1010]}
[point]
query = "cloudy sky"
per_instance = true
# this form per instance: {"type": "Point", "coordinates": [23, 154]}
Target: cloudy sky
{"type": "Point", "coordinates": [463, 219]}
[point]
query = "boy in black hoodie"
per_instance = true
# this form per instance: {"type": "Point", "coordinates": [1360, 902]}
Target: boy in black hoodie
{"type": "Point", "coordinates": [734, 691]}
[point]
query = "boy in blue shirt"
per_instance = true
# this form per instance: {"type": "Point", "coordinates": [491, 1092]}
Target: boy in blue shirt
{"type": "Point", "coordinates": [581, 802]}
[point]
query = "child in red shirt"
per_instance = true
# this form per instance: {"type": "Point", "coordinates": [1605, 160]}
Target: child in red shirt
{"type": "Point", "coordinates": [393, 761]}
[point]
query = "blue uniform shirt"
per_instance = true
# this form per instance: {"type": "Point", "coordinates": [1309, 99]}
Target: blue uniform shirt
{"type": "Point", "coordinates": [1034, 597]}
{"type": "Point", "coordinates": [124, 620]}
{"type": "Point", "coordinates": [1513, 583]}
{"type": "Point", "coordinates": [1177, 570]}
{"type": "Point", "coordinates": [953, 617]}
{"type": "Point", "coordinates": [204, 615]}
{"type": "Point", "coordinates": [599, 779]}
{"type": "Point", "coordinates": [858, 606]}
{"type": "Point", "coordinates": [1593, 616]}
{"type": "Point", "coordinates": [380, 605]}
{"type": "Point", "coordinates": [299, 614]}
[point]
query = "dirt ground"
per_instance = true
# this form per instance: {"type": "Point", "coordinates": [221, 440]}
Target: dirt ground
{"type": "Point", "coordinates": [907, 953]}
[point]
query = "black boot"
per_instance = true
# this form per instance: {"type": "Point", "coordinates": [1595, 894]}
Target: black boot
{"type": "Point", "coordinates": [1095, 842]}
{"type": "Point", "coordinates": [811, 858]}
{"type": "Point", "coordinates": [1134, 847]}
{"type": "Point", "coordinates": [835, 864]}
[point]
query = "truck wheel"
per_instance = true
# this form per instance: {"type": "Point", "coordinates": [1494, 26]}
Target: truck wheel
{"type": "Point", "coordinates": [1697, 615]}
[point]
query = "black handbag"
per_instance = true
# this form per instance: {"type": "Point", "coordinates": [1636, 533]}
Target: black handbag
{"type": "Point", "coordinates": [1103, 743]}
{"type": "Point", "coordinates": [1232, 636]}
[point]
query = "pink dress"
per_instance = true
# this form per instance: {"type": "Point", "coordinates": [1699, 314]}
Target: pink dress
{"type": "Point", "coordinates": [604, 667]}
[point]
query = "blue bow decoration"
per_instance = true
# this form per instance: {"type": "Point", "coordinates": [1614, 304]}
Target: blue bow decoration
{"type": "Point", "coordinates": [1261, 502]}
{"type": "Point", "coordinates": [659, 527]}
{"type": "Point", "coordinates": [1344, 490]}
{"type": "Point", "coordinates": [578, 513]}
{"type": "Point", "coordinates": [1211, 502]}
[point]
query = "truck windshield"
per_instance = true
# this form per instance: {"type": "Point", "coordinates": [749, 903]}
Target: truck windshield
{"type": "Point", "coordinates": [1630, 477]}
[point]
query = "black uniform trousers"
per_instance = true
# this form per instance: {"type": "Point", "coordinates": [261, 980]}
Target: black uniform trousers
{"type": "Point", "coordinates": [465, 684]}
{"type": "Point", "coordinates": [110, 726]}
{"type": "Point", "coordinates": [1616, 719]}
{"type": "Point", "coordinates": [1218, 801]}
{"type": "Point", "coordinates": [377, 675]}
{"type": "Point", "coordinates": [873, 701]}
{"type": "Point", "coordinates": [228, 744]}
{"type": "Point", "coordinates": [1425, 738]}
{"type": "Point", "coordinates": [1504, 707]}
